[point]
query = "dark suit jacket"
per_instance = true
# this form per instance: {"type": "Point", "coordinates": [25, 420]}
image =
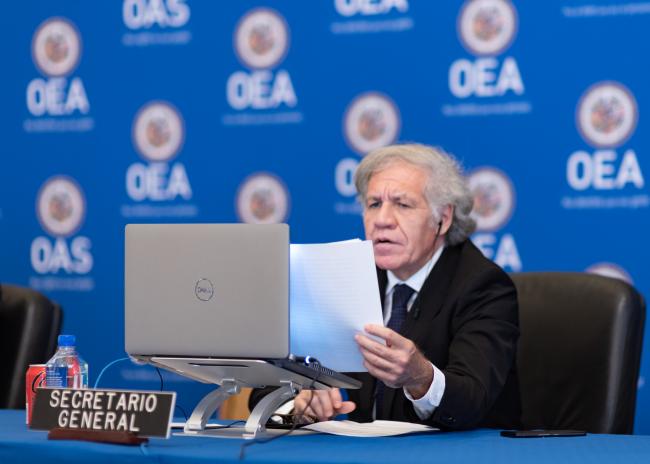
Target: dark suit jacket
{"type": "Point", "coordinates": [465, 321]}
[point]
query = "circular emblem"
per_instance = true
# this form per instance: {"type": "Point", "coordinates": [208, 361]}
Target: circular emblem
{"type": "Point", "coordinates": [487, 27]}
{"type": "Point", "coordinates": [494, 198]}
{"type": "Point", "coordinates": [158, 131]}
{"type": "Point", "coordinates": [204, 290]}
{"type": "Point", "coordinates": [56, 47]}
{"type": "Point", "coordinates": [610, 270]}
{"type": "Point", "coordinates": [261, 38]}
{"type": "Point", "coordinates": [263, 199]}
{"type": "Point", "coordinates": [371, 121]}
{"type": "Point", "coordinates": [60, 206]}
{"type": "Point", "coordinates": [606, 114]}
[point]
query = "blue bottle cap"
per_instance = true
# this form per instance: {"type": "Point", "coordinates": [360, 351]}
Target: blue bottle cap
{"type": "Point", "coordinates": [67, 340]}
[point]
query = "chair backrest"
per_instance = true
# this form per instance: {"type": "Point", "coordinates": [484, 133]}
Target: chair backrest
{"type": "Point", "coordinates": [29, 326]}
{"type": "Point", "coordinates": [579, 351]}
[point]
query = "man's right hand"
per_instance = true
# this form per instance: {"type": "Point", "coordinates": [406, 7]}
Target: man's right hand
{"type": "Point", "coordinates": [325, 404]}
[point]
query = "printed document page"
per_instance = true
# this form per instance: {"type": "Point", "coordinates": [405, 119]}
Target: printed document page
{"type": "Point", "coordinates": [334, 294]}
{"type": "Point", "coordinates": [378, 428]}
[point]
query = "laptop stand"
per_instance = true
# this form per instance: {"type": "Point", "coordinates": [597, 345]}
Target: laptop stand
{"type": "Point", "coordinates": [255, 425]}
{"type": "Point", "coordinates": [232, 375]}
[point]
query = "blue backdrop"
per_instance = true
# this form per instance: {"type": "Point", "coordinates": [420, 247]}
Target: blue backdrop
{"type": "Point", "coordinates": [196, 111]}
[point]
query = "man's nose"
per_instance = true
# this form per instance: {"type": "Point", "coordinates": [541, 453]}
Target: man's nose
{"type": "Point", "coordinates": [385, 216]}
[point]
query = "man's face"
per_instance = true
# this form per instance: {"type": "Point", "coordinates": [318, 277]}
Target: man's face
{"type": "Point", "coordinates": [398, 219]}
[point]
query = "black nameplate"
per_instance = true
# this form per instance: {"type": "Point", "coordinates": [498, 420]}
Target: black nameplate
{"type": "Point", "coordinates": [144, 413]}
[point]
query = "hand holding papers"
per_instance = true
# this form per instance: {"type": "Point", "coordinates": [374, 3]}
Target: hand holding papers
{"type": "Point", "coordinates": [334, 294]}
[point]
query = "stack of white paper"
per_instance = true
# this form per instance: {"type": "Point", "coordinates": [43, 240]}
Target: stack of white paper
{"type": "Point", "coordinates": [334, 294]}
{"type": "Point", "coordinates": [378, 428]}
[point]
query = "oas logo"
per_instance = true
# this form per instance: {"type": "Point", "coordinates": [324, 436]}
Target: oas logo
{"type": "Point", "coordinates": [487, 27]}
{"type": "Point", "coordinates": [610, 270]}
{"type": "Point", "coordinates": [60, 206]}
{"type": "Point", "coordinates": [371, 121]}
{"type": "Point", "coordinates": [494, 198]}
{"type": "Point", "coordinates": [606, 114]}
{"type": "Point", "coordinates": [56, 47]}
{"type": "Point", "coordinates": [158, 131]}
{"type": "Point", "coordinates": [262, 199]}
{"type": "Point", "coordinates": [261, 38]}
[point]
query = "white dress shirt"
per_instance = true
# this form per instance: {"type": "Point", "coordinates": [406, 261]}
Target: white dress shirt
{"type": "Point", "coordinates": [424, 406]}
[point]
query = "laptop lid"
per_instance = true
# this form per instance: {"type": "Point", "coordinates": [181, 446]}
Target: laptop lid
{"type": "Point", "coordinates": [213, 290]}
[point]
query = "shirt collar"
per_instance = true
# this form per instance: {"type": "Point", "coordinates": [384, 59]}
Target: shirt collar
{"type": "Point", "coordinates": [416, 281]}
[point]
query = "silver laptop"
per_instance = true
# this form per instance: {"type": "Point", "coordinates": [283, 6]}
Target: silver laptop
{"type": "Point", "coordinates": [207, 290]}
{"type": "Point", "coordinates": [196, 293]}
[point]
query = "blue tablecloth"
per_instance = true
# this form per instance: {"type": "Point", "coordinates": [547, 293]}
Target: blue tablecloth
{"type": "Point", "coordinates": [20, 445]}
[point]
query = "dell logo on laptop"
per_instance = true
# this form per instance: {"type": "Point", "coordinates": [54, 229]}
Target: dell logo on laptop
{"type": "Point", "coordinates": [204, 290]}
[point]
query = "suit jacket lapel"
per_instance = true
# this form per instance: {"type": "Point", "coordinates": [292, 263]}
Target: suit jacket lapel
{"type": "Point", "coordinates": [426, 306]}
{"type": "Point", "coordinates": [432, 295]}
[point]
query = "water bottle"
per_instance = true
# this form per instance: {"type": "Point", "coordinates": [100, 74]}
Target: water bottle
{"type": "Point", "coordinates": [66, 368]}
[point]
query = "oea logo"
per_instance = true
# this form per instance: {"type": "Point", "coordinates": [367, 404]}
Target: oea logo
{"type": "Point", "coordinates": [493, 198]}
{"type": "Point", "coordinates": [56, 51]}
{"type": "Point", "coordinates": [344, 177]}
{"type": "Point", "coordinates": [261, 42]}
{"type": "Point", "coordinates": [502, 251]}
{"type": "Point", "coordinates": [371, 121]}
{"type": "Point", "coordinates": [158, 134]}
{"type": "Point", "coordinates": [144, 14]}
{"type": "Point", "coordinates": [603, 170]}
{"type": "Point", "coordinates": [606, 116]}
{"type": "Point", "coordinates": [494, 201]}
{"type": "Point", "coordinates": [486, 28]}
{"type": "Point", "coordinates": [369, 7]}
{"type": "Point", "coordinates": [60, 208]}
{"type": "Point", "coordinates": [262, 199]}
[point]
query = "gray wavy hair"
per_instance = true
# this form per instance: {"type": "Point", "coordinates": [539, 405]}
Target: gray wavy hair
{"type": "Point", "coordinates": [446, 184]}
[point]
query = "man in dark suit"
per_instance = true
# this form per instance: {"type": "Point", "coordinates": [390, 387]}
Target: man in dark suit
{"type": "Point", "coordinates": [464, 324]}
{"type": "Point", "coordinates": [447, 354]}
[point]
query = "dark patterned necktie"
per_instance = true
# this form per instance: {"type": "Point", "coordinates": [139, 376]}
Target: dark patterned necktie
{"type": "Point", "coordinates": [401, 295]}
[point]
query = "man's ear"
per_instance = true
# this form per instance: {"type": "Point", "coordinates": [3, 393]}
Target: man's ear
{"type": "Point", "coordinates": [446, 218]}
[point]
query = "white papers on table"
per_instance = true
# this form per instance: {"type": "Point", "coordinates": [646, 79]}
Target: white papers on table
{"type": "Point", "coordinates": [334, 294]}
{"type": "Point", "coordinates": [378, 428]}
